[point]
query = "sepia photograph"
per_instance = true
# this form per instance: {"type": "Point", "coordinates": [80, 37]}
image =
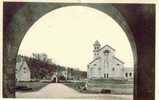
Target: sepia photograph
{"type": "Point", "coordinates": [102, 51]}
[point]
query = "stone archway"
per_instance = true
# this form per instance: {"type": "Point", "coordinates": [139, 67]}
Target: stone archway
{"type": "Point", "coordinates": [24, 15]}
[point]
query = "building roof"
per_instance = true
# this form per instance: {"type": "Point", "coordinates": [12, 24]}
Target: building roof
{"type": "Point", "coordinates": [106, 46]}
{"type": "Point", "coordinates": [118, 59]}
{"type": "Point", "coordinates": [19, 65]}
{"type": "Point", "coordinates": [95, 60]}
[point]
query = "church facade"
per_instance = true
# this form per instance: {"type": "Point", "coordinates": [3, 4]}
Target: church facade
{"type": "Point", "coordinates": [106, 66]}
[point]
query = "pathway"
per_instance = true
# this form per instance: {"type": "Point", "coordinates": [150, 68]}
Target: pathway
{"type": "Point", "coordinates": [59, 90]}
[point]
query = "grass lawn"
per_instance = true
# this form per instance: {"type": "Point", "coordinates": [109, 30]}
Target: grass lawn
{"type": "Point", "coordinates": [100, 85]}
{"type": "Point", "coordinates": [78, 86]}
{"type": "Point", "coordinates": [112, 81]}
{"type": "Point", "coordinates": [30, 86]}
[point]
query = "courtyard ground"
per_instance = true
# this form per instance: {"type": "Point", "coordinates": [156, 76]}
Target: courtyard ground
{"type": "Point", "coordinates": [31, 86]}
{"type": "Point", "coordinates": [59, 90]}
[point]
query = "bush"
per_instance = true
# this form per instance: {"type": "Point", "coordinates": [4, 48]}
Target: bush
{"type": "Point", "coordinates": [23, 88]}
{"type": "Point", "coordinates": [106, 91]}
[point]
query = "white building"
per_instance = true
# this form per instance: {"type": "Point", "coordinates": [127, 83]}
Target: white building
{"type": "Point", "coordinates": [22, 71]}
{"type": "Point", "coordinates": [106, 65]}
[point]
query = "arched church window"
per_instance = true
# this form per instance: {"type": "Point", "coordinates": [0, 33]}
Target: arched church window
{"type": "Point", "coordinates": [130, 74]}
{"type": "Point", "coordinates": [106, 52]}
{"type": "Point", "coordinates": [107, 75]}
{"type": "Point", "coordinates": [104, 75]}
{"type": "Point", "coordinates": [126, 74]}
{"type": "Point", "coordinates": [113, 69]}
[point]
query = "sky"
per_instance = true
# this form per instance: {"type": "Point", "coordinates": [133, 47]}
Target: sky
{"type": "Point", "coordinates": [67, 36]}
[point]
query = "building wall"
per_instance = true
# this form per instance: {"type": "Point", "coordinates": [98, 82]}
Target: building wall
{"type": "Point", "coordinates": [23, 72]}
{"type": "Point", "coordinates": [106, 65]}
{"type": "Point", "coordinates": [128, 73]}
{"type": "Point", "coordinates": [93, 69]}
{"type": "Point", "coordinates": [116, 70]}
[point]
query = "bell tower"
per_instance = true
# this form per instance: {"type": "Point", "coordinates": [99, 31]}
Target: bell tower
{"type": "Point", "coordinates": [96, 48]}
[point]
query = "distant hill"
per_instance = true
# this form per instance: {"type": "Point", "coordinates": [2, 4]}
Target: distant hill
{"type": "Point", "coordinates": [40, 69]}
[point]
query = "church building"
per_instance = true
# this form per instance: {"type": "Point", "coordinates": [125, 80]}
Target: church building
{"type": "Point", "coordinates": [106, 65]}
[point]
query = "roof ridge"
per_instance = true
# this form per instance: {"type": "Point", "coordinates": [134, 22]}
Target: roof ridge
{"type": "Point", "coordinates": [94, 60]}
{"type": "Point", "coordinates": [118, 59]}
{"type": "Point", "coordinates": [108, 46]}
{"type": "Point", "coordinates": [21, 66]}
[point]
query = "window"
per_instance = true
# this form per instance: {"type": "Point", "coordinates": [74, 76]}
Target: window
{"type": "Point", "coordinates": [106, 52]}
{"type": "Point", "coordinates": [118, 64]}
{"type": "Point", "coordinates": [104, 75]}
{"type": "Point", "coordinates": [126, 74]}
{"type": "Point", "coordinates": [130, 74]}
{"type": "Point", "coordinates": [113, 69]}
{"type": "Point", "coordinates": [94, 64]}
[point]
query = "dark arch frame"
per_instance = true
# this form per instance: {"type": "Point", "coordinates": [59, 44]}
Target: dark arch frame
{"type": "Point", "coordinates": [18, 21]}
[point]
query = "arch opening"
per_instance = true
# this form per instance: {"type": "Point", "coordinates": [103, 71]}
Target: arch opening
{"type": "Point", "coordinates": [48, 7]}
{"type": "Point", "coordinates": [68, 33]}
{"type": "Point", "coordinates": [71, 31]}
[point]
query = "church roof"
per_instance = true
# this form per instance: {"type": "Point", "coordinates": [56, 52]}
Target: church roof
{"type": "Point", "coordinates": [118, 60]}
{"type": "Point", "coordinates": [94, 60]}
{"type": "Point", "coordinates": [107, 46]}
